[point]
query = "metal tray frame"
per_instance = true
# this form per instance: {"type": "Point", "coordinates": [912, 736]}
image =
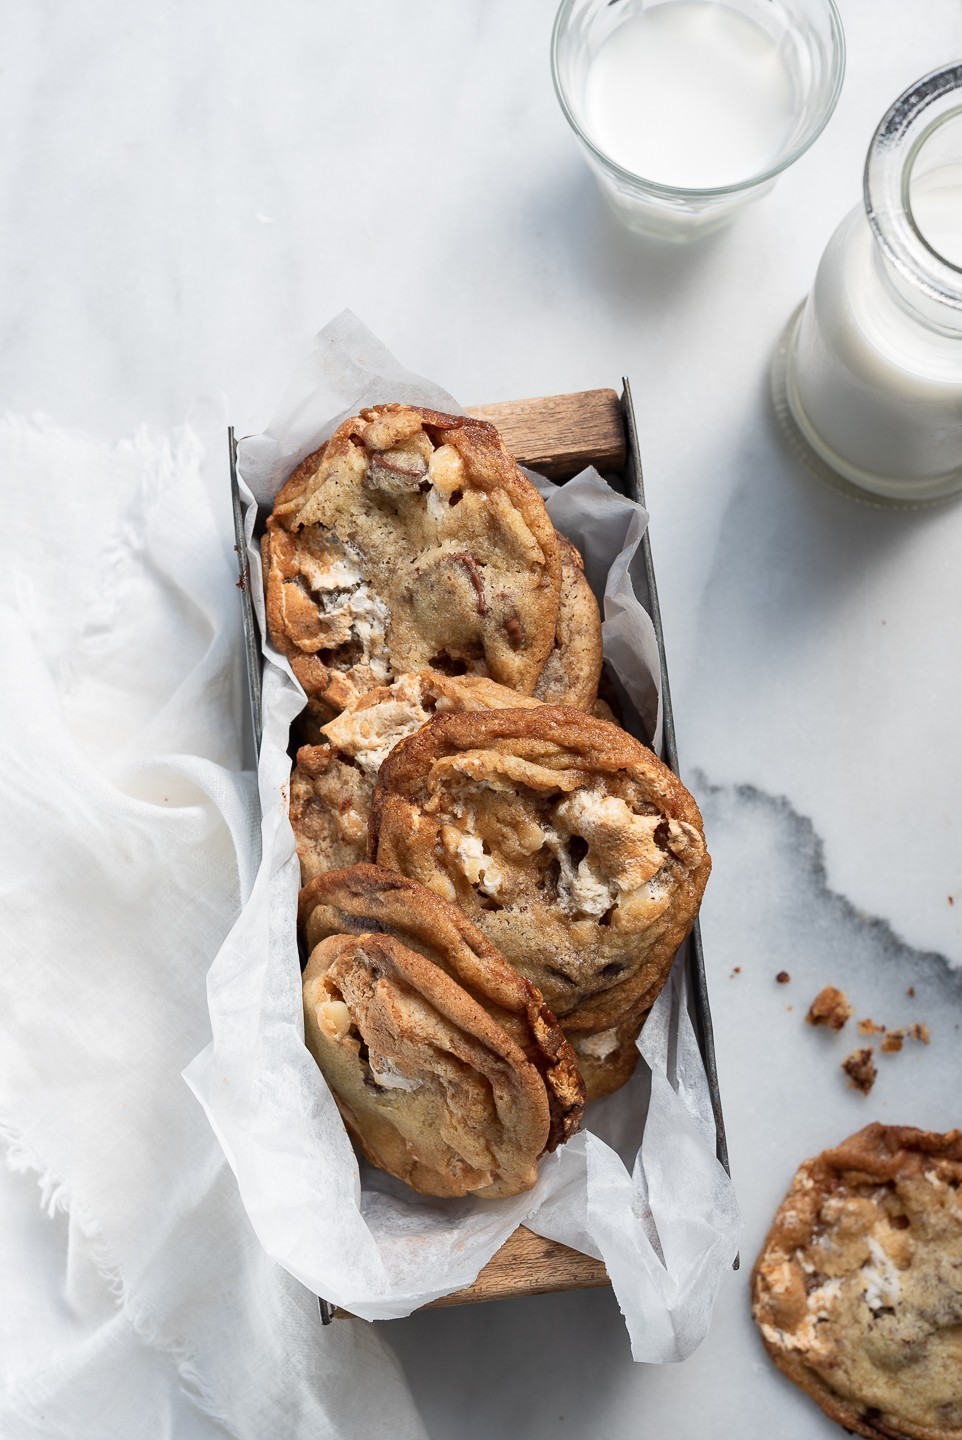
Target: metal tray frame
{"type": "Point", "coordinates": [643, 578]}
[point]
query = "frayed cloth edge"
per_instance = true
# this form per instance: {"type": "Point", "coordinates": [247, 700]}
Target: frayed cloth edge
{"type": "Point", "coordinates": [55, 1198]}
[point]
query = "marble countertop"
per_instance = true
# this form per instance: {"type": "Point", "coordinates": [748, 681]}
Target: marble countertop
{"type": "Point", "coordinates": [189, 193]}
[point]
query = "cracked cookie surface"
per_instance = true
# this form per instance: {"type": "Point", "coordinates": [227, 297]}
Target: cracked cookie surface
{"type": "Point", "coordinates": [410, 540]}
{"type": "Point", "coordinates": [332, 784]}
{"type": "Point", "coordinates": [858, 1288]}
{"type": "Point", "coordinates": [576, 851]}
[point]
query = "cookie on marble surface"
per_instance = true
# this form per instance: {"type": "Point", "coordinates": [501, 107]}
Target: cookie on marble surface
{"type": "Point", "coordinates": [366, 899]}
{"type": "Point", "coordinates": [333, 780]}
{"type": "Point", "coordinates": [410, 540]}
{"type": "Point", "coordinates": [858, 1288]}
{"type": "Point", "coordinates": [576, 851]}
{"type": "Point", "coordinates": [429, 1085]}
{"type": "Point", "coordinates": [573, 669]}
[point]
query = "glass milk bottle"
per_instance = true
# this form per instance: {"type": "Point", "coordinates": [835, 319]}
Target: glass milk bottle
{"type": "Point", "coordinates": [871, 373]}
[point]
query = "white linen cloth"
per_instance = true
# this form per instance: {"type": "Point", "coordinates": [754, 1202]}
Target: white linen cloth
{"type": "Point", "coordinates": [137, 1300]}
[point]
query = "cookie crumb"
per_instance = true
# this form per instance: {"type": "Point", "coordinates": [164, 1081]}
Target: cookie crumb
{"type": "Point", "coordinates": [920, 1032]}
{"type": "Point", "coordinates": [869, 1027]}
{"type": "Point", "coordinates": [737, 971]}
{"type": "Point", "coordinates": [893, 1041]}
{"type": "Point", "coordinates": [910, 992]}
{"type": "Point", "coordinates": [951, 899]}
{"type": "Point", "coordinates": [830, 1007]}
{"type": "Point", "coordinates": [782, 978]}
{"type": "Point", "coordinates": [860, 1069]}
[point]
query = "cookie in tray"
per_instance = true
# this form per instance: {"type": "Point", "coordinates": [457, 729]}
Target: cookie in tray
{"type": "Point", "coordinates": [410, 540]}
{"type": "Point", "coordinates": [572, 672]}
{"type": "Point", "coordinates": [332, 784]}
{"type": "Point", "coordinates": [447, 1067]}
{"type": "Point", "coordinates": [578, 853]}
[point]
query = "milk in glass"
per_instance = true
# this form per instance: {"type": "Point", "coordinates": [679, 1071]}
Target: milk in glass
{"type": "Point", "coordinates": [692, 95]}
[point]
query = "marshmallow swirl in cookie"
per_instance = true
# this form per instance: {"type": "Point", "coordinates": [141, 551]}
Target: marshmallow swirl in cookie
{"type": "Point", "coordinates": [858, 1288]}
{"type": "Point", "coordinates": [364, 899]}
{"type": "Point", "coordinates": [576, 851]}
{"type": "Point", "coordinates": [333, 782]}
{"type": "Point", "coordinates": [410, 540]}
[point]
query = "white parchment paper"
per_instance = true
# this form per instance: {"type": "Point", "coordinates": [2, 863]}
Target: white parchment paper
{"type": "Point", "coordinates": [639, 1188]}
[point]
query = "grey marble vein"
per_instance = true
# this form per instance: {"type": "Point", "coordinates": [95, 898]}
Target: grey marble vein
{"type": "Point", "coordinates": [748, 807]}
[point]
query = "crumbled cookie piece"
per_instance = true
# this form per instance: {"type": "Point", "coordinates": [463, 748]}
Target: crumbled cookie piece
{"type": "Point", "coordinates": [860, 1069]}
{"type": "Point", "coordinates": [892, 1041]}
{"type": "Point", "coordinates": [830, 1007]}
{"type": "Point", "coordinates": [782, 978]}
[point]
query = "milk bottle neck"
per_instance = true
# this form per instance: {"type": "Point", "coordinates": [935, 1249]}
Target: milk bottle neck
{"type": "Point", "coordinates": [913, 200]}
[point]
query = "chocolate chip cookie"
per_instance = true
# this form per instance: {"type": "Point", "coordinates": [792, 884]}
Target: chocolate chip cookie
{"type": "Point", "coordinates": [411, 540]}
{"type": "Point", "coordinates": [858, 1288]}
{"type": "Point", "coordinates": [576, 851]}
{"type": "Point", "coordinates": [366, 899]}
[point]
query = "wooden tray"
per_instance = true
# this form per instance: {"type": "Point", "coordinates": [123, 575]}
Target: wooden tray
{"type": "Point", "coordinates": [557, 435]}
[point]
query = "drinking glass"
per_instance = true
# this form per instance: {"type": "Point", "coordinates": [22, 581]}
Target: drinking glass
{"type": "Point", "coordinates": [800, 41]}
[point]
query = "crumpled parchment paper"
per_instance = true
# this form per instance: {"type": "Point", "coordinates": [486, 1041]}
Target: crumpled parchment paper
{"type": "Point", "coordinates": [639, 1188]}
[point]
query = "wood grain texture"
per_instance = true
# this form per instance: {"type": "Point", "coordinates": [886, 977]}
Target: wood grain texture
{"type": "Point", "coordinates": [558, 435]}
{"type": "Point", "coordinates": [526, 1264]}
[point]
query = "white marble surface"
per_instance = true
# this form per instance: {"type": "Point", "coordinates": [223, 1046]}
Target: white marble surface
{"type": "Point", "coordinates": [188, 192]}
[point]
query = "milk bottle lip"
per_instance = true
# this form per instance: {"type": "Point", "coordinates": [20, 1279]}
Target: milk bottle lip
{"type": "Point", "coordinates": [916, 114]}
{"type": "Point", "coordinates": [809, 135]}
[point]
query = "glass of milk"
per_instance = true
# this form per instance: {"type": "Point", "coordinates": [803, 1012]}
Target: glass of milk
{"type": "Point", "coordinates": [868, 378]}
{"type": "Point", "coordinates": [687, 109]}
